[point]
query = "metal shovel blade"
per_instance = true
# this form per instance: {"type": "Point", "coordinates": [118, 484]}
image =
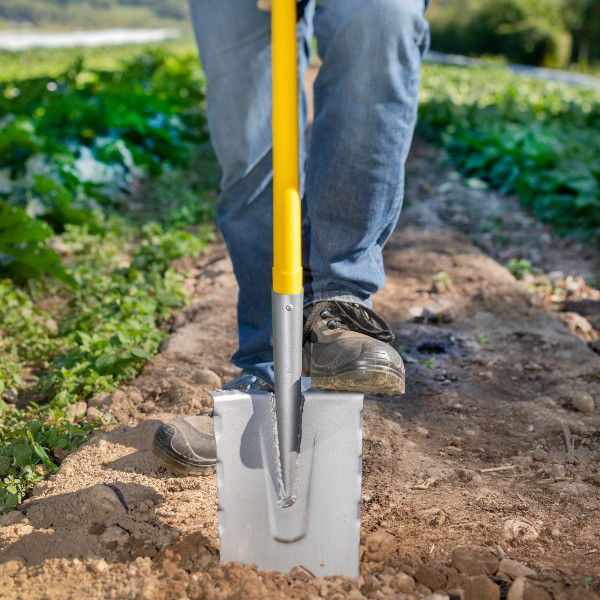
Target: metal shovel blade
{"type": "Point", "coordinates": [320, 531]}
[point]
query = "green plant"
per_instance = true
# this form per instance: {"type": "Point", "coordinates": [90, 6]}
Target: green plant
{"type": "Point", "coordinates": [429, 363]}
{"type": "Point", "coordinates": [536, 139]}
{"type": "Point", "coordinates": [82, 144]}
{"type": "Point", "coordinates": [519, 267]}
{"type": "Point", "coordinates": [26, 442]}
{"type": "Point", "coordinates": [483, 338]}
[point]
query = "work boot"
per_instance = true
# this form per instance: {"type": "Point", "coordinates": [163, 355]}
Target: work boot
{"type": "Point", "coordinates": [188, 443]}
{"type": "Point", "coordinates": [346, 347]}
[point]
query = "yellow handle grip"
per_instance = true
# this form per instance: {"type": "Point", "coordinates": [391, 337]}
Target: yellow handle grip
{"type": "Point", "coordinates": [287, 255]}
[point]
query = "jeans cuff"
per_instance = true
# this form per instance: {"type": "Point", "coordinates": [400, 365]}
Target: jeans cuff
{"type": "Point", "coordinates": [338, 296]}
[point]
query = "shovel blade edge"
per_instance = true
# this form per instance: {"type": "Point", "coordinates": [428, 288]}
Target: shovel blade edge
{"type": "Point", "coordinates": [321, 530]}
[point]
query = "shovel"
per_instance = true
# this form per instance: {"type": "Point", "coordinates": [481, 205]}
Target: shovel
{"type": "Point", "coordinates": [289, 464]}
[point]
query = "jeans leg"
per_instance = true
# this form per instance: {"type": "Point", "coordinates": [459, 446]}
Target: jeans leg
{"type": "Point", "coordinates": [234, 43]}
{"type": "Point", "coordinates": [366, 98]}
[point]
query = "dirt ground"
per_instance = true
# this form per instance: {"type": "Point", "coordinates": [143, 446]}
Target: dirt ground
{"type": "Point", "coordinates": [482, 481]}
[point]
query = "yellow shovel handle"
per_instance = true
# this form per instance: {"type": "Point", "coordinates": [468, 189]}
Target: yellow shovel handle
{"type": "Point", "coordinates": [287, 256]}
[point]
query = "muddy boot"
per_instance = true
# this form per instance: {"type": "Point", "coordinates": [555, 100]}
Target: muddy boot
{"type": "Point", "coordinates": [188, 443]}
{"type": "Point", "coordinates": [346, 348]}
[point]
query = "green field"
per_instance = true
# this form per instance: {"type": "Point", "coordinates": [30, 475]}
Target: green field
{"type": "Point", "coordinates": [107, 176]}
{"type": "Point", "coordinates": [92, 14]}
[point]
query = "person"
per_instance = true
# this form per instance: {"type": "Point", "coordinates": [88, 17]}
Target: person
{"type": "Point", "coordinates": [365, 109]}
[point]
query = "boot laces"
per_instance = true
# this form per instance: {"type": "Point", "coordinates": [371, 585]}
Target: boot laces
{"type": "Point", "coordinates": [348, 316]}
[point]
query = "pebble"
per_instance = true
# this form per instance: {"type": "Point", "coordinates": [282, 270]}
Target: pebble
{"type": "Point", "coordinates": [481, 587]}
{"type": "Point", "coordinates": [102, 498]}
{"type": "Point", "coordinates": [438, 597]}
{"type": "Point", "coordinates": [208, 378]}
{"type": "Point", "coordinates": [430, 577]}
{"type": "Point", "coordinates": [403, 583]}
{"type": "Point", "coordinates": [378, 546]}
{"type": "Point", "coordinates": [539, 455]}
{"type": "Point", "coordinates": [301, 574]}
{"type": "Point", "coordinates": [514, 569]}
{"type": "Point", "coordinates": [76, 410]}
{"type": "Point", "coordinates": [10, 396]}
{"type": "Point", "coordinates": [51, 327]}
{"type": "Point", "coordinates": [522, 589]}
{"type": "Point", "coordinates": [12, 518]}
{"type": "Point", "coordinates": [99, 566]}
{"type": "Point", "coordinates": [557, 471]}
{"type": "Point", "coordinates": [583, 402]}
{"type": "Point", "coordinates": [39, 488]}
{"type": "Point", "coordinates": [440, 312]}
{"type": "Point", "coordinates": [474, 561]}
{"type": "Point", "coordinates": [13, 567]}
{"type": "Point", "coordinates": [92, 413]}
{"type": "Point", "coordinates": [103, 400]}
{"type": "Point", "coordinates": [512, 529]}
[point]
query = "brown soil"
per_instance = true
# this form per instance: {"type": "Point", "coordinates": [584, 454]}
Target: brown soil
{"type": "Point", "coordinates": [485, 451]}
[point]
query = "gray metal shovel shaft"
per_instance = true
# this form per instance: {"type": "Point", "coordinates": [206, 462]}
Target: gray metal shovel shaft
{"type": "Point", "coordinates": [287, 350]}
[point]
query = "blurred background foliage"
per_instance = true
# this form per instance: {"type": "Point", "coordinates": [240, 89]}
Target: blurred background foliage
{"type": "Point", "coordinates": [550, 33]}
{"type": "Point", "coordinates": [71, 14]}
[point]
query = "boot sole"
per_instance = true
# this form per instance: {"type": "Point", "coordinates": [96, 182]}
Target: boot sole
{"type": "Point", "coordinates": [378, 380]}
{"type": "Point", "coordinates": [165, 456]}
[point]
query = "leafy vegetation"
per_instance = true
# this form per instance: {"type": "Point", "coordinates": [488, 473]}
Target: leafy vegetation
{"type": "Point", "coordinates": [106, 179]}
{"type": "Point", "coordinates": [553, 33]}
{"type": "Point", "coordinates": [537, 139]}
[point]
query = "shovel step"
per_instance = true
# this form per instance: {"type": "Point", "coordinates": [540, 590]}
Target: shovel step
{"type": "Point", "coordinates": [320, 531]}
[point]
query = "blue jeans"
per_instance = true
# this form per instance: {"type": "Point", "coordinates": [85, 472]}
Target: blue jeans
{"type": "Point", "coordinates": [365, 103]}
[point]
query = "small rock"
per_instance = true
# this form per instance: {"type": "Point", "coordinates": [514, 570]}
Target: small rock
{"type": "Point", "coordinates": [523, 460]}
{"type": "Point", "coordinates": [539, 455]}
{"type": "Point", "coordinates": [474, 561]}
{"type": "Point", "coordinates": [515, 530]}
{"type": "Point", "coordinates": [76, 410]}
{"type": "Point", "coordinates": [583, 402]}
{"type": "Point", "coordinates": [557, 471]}
{"type": "Point", "coordinates": [481, 587]}
{"type": "Point", "coordinates": [60, 454]}
{"type": "Point", "coordinates": [51, 327]}
{"type": "Point", "coordinates": [416, 312]}
{"type": "Point", "coordinates": [523, 589]}
{"type": "Point", "coordinates": [514, 569]}
{"type": "Point", "coordinates": [39, 488]}
{"type": "Point", "coordinates": [208, 378]}
{"type": "Point", "coordinates": [13, 567]}
{"type": "Point", "coordinates": [101, 401]}
{"type": "Point", "coordinates": [92, 413]}
{"type": "Point", "coordinates": [101, 498]}
{"type": "Point", "coordinates": [438, 597]}
{"type": "Point", "coordinates": [99, 566]}
{"type": "Point", "coordinates": [438, 520]}
{"type": "Point", "coordinates": [403, 583]}
{"type": "Point", "coordinates": [422, 431]}
{"type": "Point", "coordinates": [430, 577]}
{"type": "Point", "coordinates": [574, 488]}
{"type": "Point", "coordinates": [300, 574]}
{"type": "Point", "coordinates": [118, 396]}
{"type": "Point", "coordinates": [12, 518]}
{"type": "Point", "coordinates": [467, 476]}
{"type": "Point", "coordinates": [10, 396]}
{"type": "Point", "coordinates": [440, 312]}
{"type": "Point", "coordinates": [379, 545]}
